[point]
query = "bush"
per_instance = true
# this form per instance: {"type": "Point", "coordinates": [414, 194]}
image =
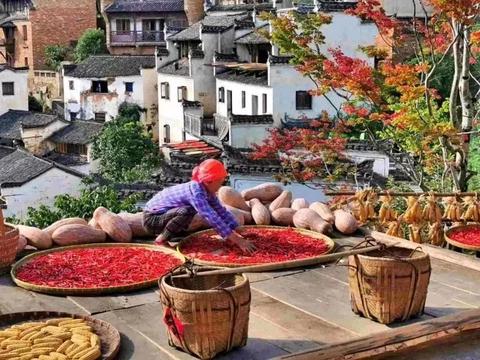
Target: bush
{"type": "Point", "coordinates": [34, 104]}
{"type": "Point", "coordinates": [92, 42]}
{"type": "Point", "coordinates": [55, 54]}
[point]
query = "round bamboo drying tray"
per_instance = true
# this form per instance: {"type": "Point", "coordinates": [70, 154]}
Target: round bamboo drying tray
{"type": "Point", "coordinates": [330, 243]}
{"type": "Point", "coordinates": [8, 247]}
{"type": "Point", "coordinates": [458, 244]}
{"type": "Point", "coordinates": [109, 335]}
{"type": "Point", "coordinates": [88, 291]}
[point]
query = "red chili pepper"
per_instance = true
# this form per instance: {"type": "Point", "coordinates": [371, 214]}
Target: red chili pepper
{"type": "Point", "coordinates": [97, 267]}
{"type": "Point", "coordinates": [467, 236]}
{"type": "Point", "coordinates": [272, 246]}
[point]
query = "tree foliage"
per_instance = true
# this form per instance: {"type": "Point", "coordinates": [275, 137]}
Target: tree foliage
{"type": "Point", "coordinates": [92, 42]}
{"type": "Point", "coordinates": [55, 54]}
{"type": "Point", "coordinates": [126, 153]}
{"type": "Point", "coordinates": [396, 105]}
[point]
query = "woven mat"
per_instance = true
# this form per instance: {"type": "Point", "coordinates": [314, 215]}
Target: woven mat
{"type": "Point", "coordinates": [109, 335]}
{"type": "Point", "coordinates": [87, 291]}
{"type": "Point", "coordinates": [313, 234]}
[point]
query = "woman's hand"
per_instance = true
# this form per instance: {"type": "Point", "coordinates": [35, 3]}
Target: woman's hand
{"type": "Point", "coordinates": [245, 245]}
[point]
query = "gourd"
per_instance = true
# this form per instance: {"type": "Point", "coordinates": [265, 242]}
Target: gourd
{"type": "Point", "coordinates": [135, 221]}
{"type": "Point", "coordinates": [74, 234]}
{"type": "Point", "coordinates": [35, 237]}
{"type": "Point", "coordinates": [264, 192]}
{"type": "Point", "coordinates": [115, 227]}
{"type": "Point", "coordinates": [345, 222]}
{"type": "Point", "coordinates": [324, 211]}
{"type": "Point", "coordinates": [229, 196]}
{"type": "Point", "coordinates": [75, 220]}
{"type": "Point", "coordinates": [283, 216]}
{"type": "Point", "coordinates": [22, 242]}
{"type": "Point", "coordinates": [282, 201]}
{"type": "Point", "coordinates": [238, 214]}
{"type": "Point", "coordinates": [246, 214]}
{"type": "Point", "coordinates": [260, 213]}
{"type": "Point", "coordinates": [298, 204]}
{"type": "Point", "coordinates": [310, 220]}
{"type": "Point", "coordinates": [93, 223]}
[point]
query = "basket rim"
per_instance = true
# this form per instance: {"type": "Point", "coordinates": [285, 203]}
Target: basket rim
{"type": "Point", "coordinates": [458, 244]}
{"type": "Point", "coordinates": [390, 259]}
{"type": "Point", "coordinates": [163, 282]}
{"type": "Point", "coordinates": [87, 291]}
{"type": "Point", "coordinates": [316, 235]}
{"type": "Point", "coordinates": [38, 315]}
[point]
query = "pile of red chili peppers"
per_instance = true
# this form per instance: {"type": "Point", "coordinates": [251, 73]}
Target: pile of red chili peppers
{"type": "Point", "coordinates": [271, 246]}
{"type": "Point", "coordinates": [468, 236]}
{"type": "Point", "coordinates": [97, 267]}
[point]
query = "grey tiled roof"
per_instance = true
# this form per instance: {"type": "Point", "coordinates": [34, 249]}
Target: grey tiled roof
{"type": "Point", "coordinates": [242, 7]}
{"type": "Point", "coordinates": [177, 67]}
{"type": "Point", "coordinates": [279, 59]}
{"type": "Point", "coordinates": [11, 122]}
{"type": "Point", "coordinates": [225, 57]}
{"type": "Point", "coordinates": [5, 150]}
{"type": "Point", "coordinates": [100, 66]}
{"type": "Point", "coordinates": [20, 167]}
{"type": "Point", "coordinates": [210, 23]}
{"type": "Point", "coordinates": [252, 119]}
{"type": "Point", "coordinates": [253, 37]}
{"type": "Point", "coordinates": [246, 77]}
{"type": "Point", "coordinates": [78, 132]}
{"type": "Point", "coordinates": [123, 6]}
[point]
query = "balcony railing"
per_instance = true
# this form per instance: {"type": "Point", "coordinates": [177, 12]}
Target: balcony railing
{"type": "Point", "coordinates": [133, 37]}
{"type": "Point", "coordinates": [197, 125]}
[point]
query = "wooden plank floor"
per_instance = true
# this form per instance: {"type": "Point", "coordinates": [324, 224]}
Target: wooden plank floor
{"type": "Point", "coordinates": [291, 311]}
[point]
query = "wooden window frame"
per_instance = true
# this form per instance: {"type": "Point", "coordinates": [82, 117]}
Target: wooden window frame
{"type": "Point", "coordinates": [8, 88]}
{"type": "Point", "coordinates": [221, 94]}
{"type": "Point", "coordinates": [264, 103]}
{"type": "Point", "coordinates": [303, 100]}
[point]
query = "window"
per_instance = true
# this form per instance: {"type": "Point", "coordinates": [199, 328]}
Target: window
{"type": "Point", "coordinates": [73, 115]}
{"type": "Point", "coordinates": [100, 116]}
{"type": "Point", "coordinates": [123, 26]}
{"type": "Point", "coordinates": [166, 134]}
{"type": "Point", "coordinates": [99, 86]}
{"type": "Point", "coordinates": [303, 100]}
{"type": "Point", "coordinates": [76, 149]}
{"type": "Point", "coordinates": [264, 103]}
{"type": "Point", "coordinates": [221, 95]}
{"type": "Point", "coordinates": [244, 100]}
{"type": "Point", "coordinates": [182, 93]}
{"type": "Point", "coordinates": [25, 32]}
{"type": "Point", "coordinates": [71, 85]}
{"type": "Point", "coordinates": [26, 61]}
{"type": "Point", "coordinates": [165, 90]}
{"type": "Point", "coordinates": [129, 87]}
{"type": "Point", "coordinates": [8, 88]}
{"type": "Point", "coordinates": [254, 105]}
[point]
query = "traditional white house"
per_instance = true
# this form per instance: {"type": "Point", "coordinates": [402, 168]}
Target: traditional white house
{"type": "Point", "coordinates": [29, 181]}
{"type": "Point", "coordinates": [95, 88]}
{"type": "Point", "coordinates": [14, 88]}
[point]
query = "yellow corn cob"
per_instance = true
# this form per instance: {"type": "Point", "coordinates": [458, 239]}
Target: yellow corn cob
{"type": "Point", "coordinates": [62, 348]}
{"type": "Point", "coordinates": [83, 352]}
{"type": "Point", "coordinates": [94, 340]}
{"type": "Point", "coordinates": [29, 331]}
{"type": "Point", "coordinates": [58, 356]}
{"type": "Point", "coordinates": [26, 357]}
{"type": "Point", "coordinates": [46, 339]}
{"type": "Point", "coordinates": [81, 329]}
{"type": "Point", "coordinates": [70, 349]}
{"type": "Point", "coordinates": [22, 350]}
{"type": "Point", "coordinates": [79, 349]}
{"type": "Point", "coordinates": [28, 325]}
{"type": "Point", "coordinates": [53, 329]}
{"type": "Point", "coordinates": [80, 339]}
{"type": "Point", "coordinates": [39, 335]}
{"type": "Point", "coordinates": [9, 333]}
{"type": "Point", "coordinates": [57, 321]}
{"type": "Point", "coordinates": [71, 321]}
{"type": "Point", "coordinates": [73, 326]}
{"type": "Point", "coordinates": [91, 355]}
{"type": "Point", "coordinates": [7, 342]}
{"type": "Point", "coordinates": [42, 351]}
{"type": "Point", "coordinates": [46, 357]}
{"type": "Point", "coordinates": [53, 344]}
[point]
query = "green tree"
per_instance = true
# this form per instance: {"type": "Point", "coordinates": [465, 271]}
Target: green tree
{"type": "Point", "coordinates": [92, 42]}
{"type": "Point", "coordinates": [82, 206]}
{"type": "Point", "coordinates": [55, 54]}
{"type": "Point", "coordinates": [34, 104]}
{"type": "Point", "coordinates": [126, 153]}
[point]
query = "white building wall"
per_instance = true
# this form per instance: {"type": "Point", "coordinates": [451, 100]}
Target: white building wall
{"type": "Point", "coordinates": [86, 103]}
{"type": "Point", "coordinates": [245, 135]}
{"type": "Point", "coordinates": [170, 111]}
{"type": "Point", "coordinates": [40, 191]}
{"type": "Point", "coordinates": [18, 101]}
{"type": "Point", "coordinates": [381, 162]}
{"type": "Point", "coordinates": [150, 99]}
{"type": "Point", "coordinates": [34, 138]}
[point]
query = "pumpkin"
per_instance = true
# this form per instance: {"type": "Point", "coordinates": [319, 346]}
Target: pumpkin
{"type": "Point", "coordinates": [282, 201]}
{"type": "Point", "coordinates": [246, 214]}
{"type": "Point", "coordinates": [298, 204]}
{"type": "Point", "coordinates": [345, 222]}
{"type": "Point", "coordinates": [324, 211]}
{"type": "Point", "coordinates": [310, 220]}
{"type": "Point", "coordinates": [283, 216]}
{"type": "Point", "coordinates": [198, 223]}
{"type": "Point", "coordinates": [115, 227]}
{"type": "Point", "coordinates": [75, 220]}
{"type": "Point", "coordinates": [35, 237]}
{"type": "Point", "coordinates": [260, 213]}
{"type": "Point", "coordinates": [135, 221]}
{"type": "Point", "coordinates": [93, 223]}
{"type": "Point", "coordinates": [21, 243]}
{"type": "Point", "coordinates": [75, 234]}
{"type": "Point", "coordinates": [265, 192]}
{"type": "Point", "coordinates": [229, 196]}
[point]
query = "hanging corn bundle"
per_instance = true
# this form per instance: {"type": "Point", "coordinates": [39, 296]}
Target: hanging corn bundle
{"type": "Point", "coordinates": [413, 214]}
{"type": "Point", "coordinates": [453, 210]}
{"type": "Point", "coordinates": [415, 233]}
{"type": "Point", "coordinates": [395, 228]}
{"type": "Point", "coordinates": [471, 212]}
{"type": "Point", "coordinates": [386, 212]}
{"type": "Point", "coordinates": [365, 208]}
{"type": "Point", "coordinates": [435, 234]}
{"type": "Point", "coordinates": [432, 212]}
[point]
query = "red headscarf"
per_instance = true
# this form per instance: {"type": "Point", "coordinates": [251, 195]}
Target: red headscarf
{"type": "Point", "coordinates": [209, 170]}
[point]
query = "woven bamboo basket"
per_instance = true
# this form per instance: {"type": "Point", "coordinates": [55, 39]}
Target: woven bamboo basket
{"type": "Point", "coordinates": [208, 315]}
{"type": "Point", "coordinates": [8, 244]}
{"type": "Point", "coordinates": [389, 285]}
